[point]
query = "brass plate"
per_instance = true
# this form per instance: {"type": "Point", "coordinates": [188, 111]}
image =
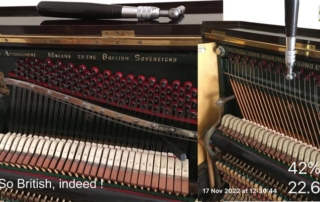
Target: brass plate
{"type": "Point", "coordinates": [105, 39]}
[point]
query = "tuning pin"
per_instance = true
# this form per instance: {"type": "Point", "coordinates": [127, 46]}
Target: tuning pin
{"type": "Point", "coordinates": [261, 64]}
{"type": "Point", "coordinates": [188, 86]}
{"type": "Point", "coordinates": [307, 76]}
{"type": "Point", "coordinates": [111, 91]}
{"type": "Point", "coordinates": [245, 60]}
{"type": "Point", "coordinates": [123, 83]}
{"type": "Point", "coordinates": [151, 93]}
{"type": "Point", "coordinates": [156, 99]}
{"type": "Point", "coordinates": [122, 93]}
{"type": "Point", "coordinates": [140, 91]}
{"type": "Point", "coordinates": [163, 83]}
{"type": "Point", "coordinates": [94, 71]}
{"type": "Point", "coordinates": [139, 102]}
{"type": "Point", "coordinates": [145, 86]}
{"type": "Point", "coordinates": [93, 82]}
{"type": "Point", "coordinates": [93, 92]}
{"type": "Point", "coordinates": [82, 68]}
{"type": "Point", "coordinates": [150, 105]}
{"type": "Point", "coordinates": [194, 92]}
{"type": "Point", "coordinates": [181, 91]}
{"type": "Point", "coordinates": [127, 100]}
{"type": "Point", "coordinates": [132, 105]}
{"type": "Point", "coordinates": [47, 61]}
{"type": "Point", "coordinates": [112, 80]}
{"type": "Point", "coordinates": [141, 79]}
{"type": "Point", "coordinates": [180, 102]}
{"type": "Point", "coordinates": [269, 67]}
{"type": "Point", "coordinates": [155, 109]}
{"type": "Point", "coordinates": [70, 66]}
{"type": "Point", "coordinates": [156, 88]}
{"type": "Point", "coordinates": [144, 106]}
{"type": "Point", "coordinates": [86, 93]}
{"type": "Point", "coordinates": [134, 84]}
{"type": "Point", "coordinates": [105, 95]}
{"type": "Point", "coordinates": [167, 111]}
{"type": "Point", "coordinates": [106, 74]}
{"type": "Point", "coordinates": [118, 76]}
{"type": "Point", "coordinates": [175, 95]}
{"type": "Point", "coordinates": [278, 68]}
{"type": "Point", "coordinates": [152, 81]}
{"type": "Point", "coordinates": [106, 84]}
{"type": "Point", "coordinates": [98, 96]}
{"type": "Point", "coordinates": [100, 78]}
{"type": "Point", "coordinates": [168, 90]}
{"type": "Point", "coordinates": [175, 84]}
{"type": "Point", "coordinates": [86, 84]}
{"type": "Point", "coordinates": [117, 87]}
{"type": "Point", "coordinates": [122, 102]}
{"type": "Point", "coordinates": [99, 87]}
{"type": "Point", "coordinates": [130, 78]}
{"type": "Point", "coordinates": [116, 97]}
{"type": "Point", "coordinates": [179, 113]}
{"type": "Point", "coordinates": [133, 95]}
{"type": "Point", "coordinates": [128, 89]}
{"type": "Point", "coordinates": [87, 74]}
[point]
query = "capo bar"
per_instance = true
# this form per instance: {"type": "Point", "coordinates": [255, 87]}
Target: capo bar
{"type": "Point", "coordinates": [92, 11]}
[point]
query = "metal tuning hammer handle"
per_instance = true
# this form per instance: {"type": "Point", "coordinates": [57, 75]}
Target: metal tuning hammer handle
{"type": "Point", "coordinates": [291, 24]}
{"type": "Point", "coordinates": [92, 11]}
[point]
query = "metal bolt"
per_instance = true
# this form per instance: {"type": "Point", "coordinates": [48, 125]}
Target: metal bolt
{"type": "Point", "coordinates": [32, 86]}
{"type": "Point", "coordinates": [171, 129]}
{"type": "Point", "coordinates": [220, 51]}
{"type": "Point", "coordinates": [135, 121]}
{"type": "Point", "coordinates": [66, 97]}
{"type": "Point", "coordinates": [119, 116]}
{"type": "Point", "coordinates": [219, 102]}
{"type": "Point", "coordinates": [49, 92]}
{"type": "Point", "coordinates": [153, 125]}
{"type": "Point", "coordinates": [102, 111]}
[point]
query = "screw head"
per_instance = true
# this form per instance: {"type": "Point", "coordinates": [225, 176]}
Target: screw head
{"type": "Point", "coordinates": [171, 129]}
{"type": "Point", "coordinates": [220, 51]}
{"type": "Point", "coordinates": [290, 77]}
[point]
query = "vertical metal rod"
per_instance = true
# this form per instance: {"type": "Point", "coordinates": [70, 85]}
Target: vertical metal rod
{"type": "Point", "coordinates": [13, 109]}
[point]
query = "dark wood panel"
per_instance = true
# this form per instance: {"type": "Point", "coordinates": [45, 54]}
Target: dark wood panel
{"type": "Point", "coordinates": [262, 32]}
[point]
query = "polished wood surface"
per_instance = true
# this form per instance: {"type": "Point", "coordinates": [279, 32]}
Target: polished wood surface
{"type": "Point", "coordinates": [187, 25]}
{"type": "Point", "coordinates": [203, 7]}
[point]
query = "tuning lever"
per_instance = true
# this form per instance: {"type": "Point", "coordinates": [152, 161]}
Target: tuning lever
{"type": "Point", "coordinates": [291, 24]}
{"type": "Point", "coordinates": [92, 11]}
